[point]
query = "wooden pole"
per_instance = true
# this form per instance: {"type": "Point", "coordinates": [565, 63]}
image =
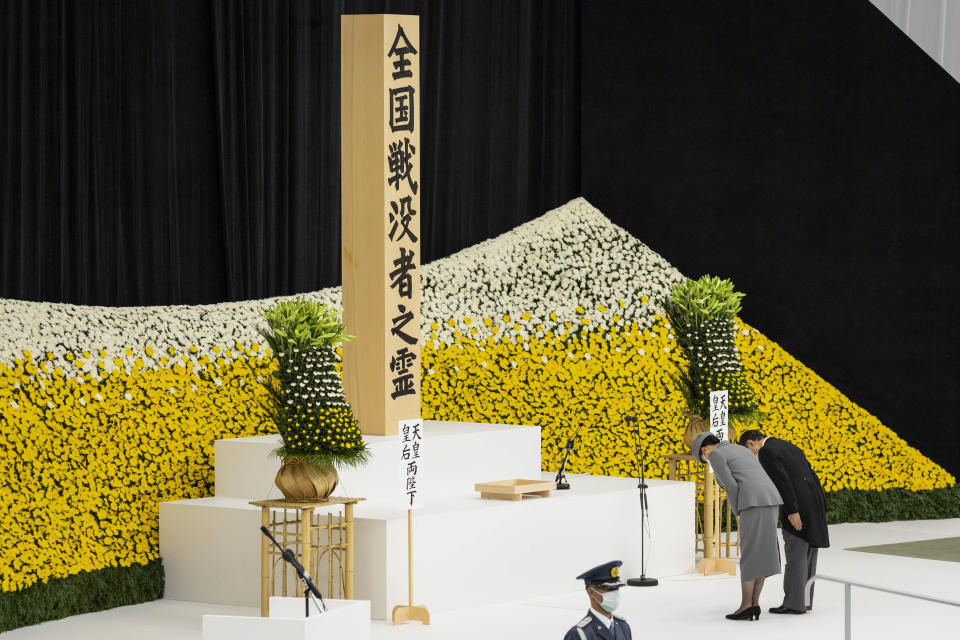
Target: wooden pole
{"type": "Point", "coordinates": [264, 565]}
{"type": "Point", "coordinates": [380, 188]}
{"type": "Point", "coordinates": [348, 514]}
{"type": "Point", "coordinates": [708, 514]}
{"type": "Point", "coordinates": [306, 531]}
{"type": "Point", "coordinates": [329, 553]}
{"type": "Point", "coordinates": [410, 612]}
{"type": "Point", "coordinates": [283, 585]}
{"type": "Point", "coordinates": [410, 557]}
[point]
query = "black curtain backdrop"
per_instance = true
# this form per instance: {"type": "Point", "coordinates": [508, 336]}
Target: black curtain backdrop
{"type": "Point", "coordinates": [185, 152]}
{"type": "Point", "coordinates": [809, 151]}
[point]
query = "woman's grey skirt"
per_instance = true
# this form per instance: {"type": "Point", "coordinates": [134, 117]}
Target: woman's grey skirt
{"type": "Point", "coordinates": [759, 549]}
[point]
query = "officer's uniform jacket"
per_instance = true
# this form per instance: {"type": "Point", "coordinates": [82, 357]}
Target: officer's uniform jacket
{"type": "Point", "coordinates": [592, 628]}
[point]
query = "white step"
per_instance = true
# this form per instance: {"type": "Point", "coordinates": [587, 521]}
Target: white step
{"type": "Point", "coordinates": [457, 455]}
{"type": "Point", "coordinates": [467, 551]}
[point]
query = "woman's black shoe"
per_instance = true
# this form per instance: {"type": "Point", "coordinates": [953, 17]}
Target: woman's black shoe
{"type": "Point", "coordinates": [750, 613]}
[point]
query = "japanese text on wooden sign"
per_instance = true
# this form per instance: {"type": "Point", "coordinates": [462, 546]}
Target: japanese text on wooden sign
{"type": "Point", "coordinates": [718, 414]}
{"type": "Point", "coordinates": [402, 229]}
{"type": "Point", "coordinates": [411, 461]}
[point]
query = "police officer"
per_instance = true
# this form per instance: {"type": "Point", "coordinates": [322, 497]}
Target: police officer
{"type": "Point", "coordinates": [601, 623]}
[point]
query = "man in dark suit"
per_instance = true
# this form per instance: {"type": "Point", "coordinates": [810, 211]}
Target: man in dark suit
{"type": "Point", "coordinates": [803, 514]}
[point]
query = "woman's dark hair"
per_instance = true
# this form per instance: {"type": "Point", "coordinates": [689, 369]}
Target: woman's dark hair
{"type": "Point", "coordinates": [710, 439]}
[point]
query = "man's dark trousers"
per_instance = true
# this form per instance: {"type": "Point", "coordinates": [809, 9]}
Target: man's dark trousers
{"type": "Point", "coordinates": [802, 494]}
{"type": "Point", "coordinates": [801, 565]}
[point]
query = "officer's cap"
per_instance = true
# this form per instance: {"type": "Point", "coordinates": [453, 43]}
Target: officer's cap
{"type": "Point", "coordinates": [606, 575]}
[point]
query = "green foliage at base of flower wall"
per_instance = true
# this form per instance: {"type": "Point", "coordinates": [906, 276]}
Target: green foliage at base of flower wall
{"type": "Point", "coordinates": [847, 505]}
{"type": "Point", "coordinates": [82, 592]}
{"type": "Point", "coordinates": [888, 505]}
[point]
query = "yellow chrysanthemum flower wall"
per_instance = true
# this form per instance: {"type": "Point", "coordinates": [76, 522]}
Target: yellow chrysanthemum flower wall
{"type": "Point", "coordinates": [104, 412]}
{"type": "Point", "coordinates": [85, 463]}
{"type": "Point", "coordinates": [593, 378]}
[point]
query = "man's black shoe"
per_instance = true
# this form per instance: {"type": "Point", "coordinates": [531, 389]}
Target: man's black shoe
{"type": "Point", "coordinates": [786, 610]}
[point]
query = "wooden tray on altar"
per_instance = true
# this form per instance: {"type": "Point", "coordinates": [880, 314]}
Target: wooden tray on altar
{"type": "Point", "coordinates": [514, 489]}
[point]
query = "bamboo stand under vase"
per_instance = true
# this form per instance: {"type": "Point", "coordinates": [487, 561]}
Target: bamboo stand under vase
{"type": "Point", "coordinates": [711, 561]}
{"type": "Point", "coordinates": [709, 527]}
{"type": "Point", "coordinates": [302, 534]}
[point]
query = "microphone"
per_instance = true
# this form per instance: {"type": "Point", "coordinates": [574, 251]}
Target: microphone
{"type": "Point", "coordinates": [561, 479]}
{"type": "Point", "coordinates": [643, 580]}
{"type": "Point", "coordinates": [291, 558]}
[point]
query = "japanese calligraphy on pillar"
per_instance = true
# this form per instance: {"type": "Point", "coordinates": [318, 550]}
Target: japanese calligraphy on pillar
{"type": "Point", "coordinates": [411, 461]}
{"type": "Point", "coordinates": [718, 414]}
{"type": "Point", "coordinates": [380, 199]}
{"type": "Point", "coordinates": [401, 215]}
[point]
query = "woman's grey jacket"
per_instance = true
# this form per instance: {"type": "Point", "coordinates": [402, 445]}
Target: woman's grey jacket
{"type": "Point", "coordinates": [739, 472]}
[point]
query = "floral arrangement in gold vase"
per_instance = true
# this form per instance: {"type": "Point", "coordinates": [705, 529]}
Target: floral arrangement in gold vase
{"type": "Point", "coordinates": [702, 315]}
{"type": "Point", "coordinates": [317, 428]}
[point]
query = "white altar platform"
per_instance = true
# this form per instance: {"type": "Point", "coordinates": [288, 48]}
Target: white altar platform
{"type": "Point", "coordinates": [468, 552]}
{"type": "Point", "coordinates": [691, 605]}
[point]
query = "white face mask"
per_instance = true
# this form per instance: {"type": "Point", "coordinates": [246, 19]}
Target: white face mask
{"type": "Point", "coordinates": [611, 600]}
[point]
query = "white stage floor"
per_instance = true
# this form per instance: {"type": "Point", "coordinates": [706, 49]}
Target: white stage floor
{"type": "Point", "coordinates": [689, 603]}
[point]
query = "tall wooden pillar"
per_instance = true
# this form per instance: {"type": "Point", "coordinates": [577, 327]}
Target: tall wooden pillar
{"type": "Point", "coordinates": [380, 179]}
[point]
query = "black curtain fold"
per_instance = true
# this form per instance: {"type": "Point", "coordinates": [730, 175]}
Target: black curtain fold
{"type": "Point", "coordinates": [186, 152]}
{"type": "Point", "coordinates": [809, 151]}
{"type": "Point", "coordinates": [102, 163]}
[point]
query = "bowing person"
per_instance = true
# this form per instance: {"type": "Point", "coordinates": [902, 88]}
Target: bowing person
{"type": "Point", "coordinates": [803, 515]}
{"type": "Point", "coordinates": [755, 500]}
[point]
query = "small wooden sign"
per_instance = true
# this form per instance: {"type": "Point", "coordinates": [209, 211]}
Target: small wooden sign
{"type": "Point", "coordinates": [411, 462]}
{"type": "Point", "coordinates": [719, 418]}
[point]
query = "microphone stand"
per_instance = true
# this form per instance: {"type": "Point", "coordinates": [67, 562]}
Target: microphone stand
{"type": "Point", "coordinates": [561, 478]}
{"type": "Point", "coordinates": [309, 589]}
{"type": "Point", "coordinates": [643, 580]}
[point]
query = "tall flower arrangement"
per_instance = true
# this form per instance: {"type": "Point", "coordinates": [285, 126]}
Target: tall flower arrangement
{"type": "Point", "coordinates": [701, 314]}
{"type": "Point", "coordinates": [306, 401]}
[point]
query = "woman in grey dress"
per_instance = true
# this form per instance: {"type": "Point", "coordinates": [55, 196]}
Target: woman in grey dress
{"type": "Point", "coordinates": [756, 501]}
